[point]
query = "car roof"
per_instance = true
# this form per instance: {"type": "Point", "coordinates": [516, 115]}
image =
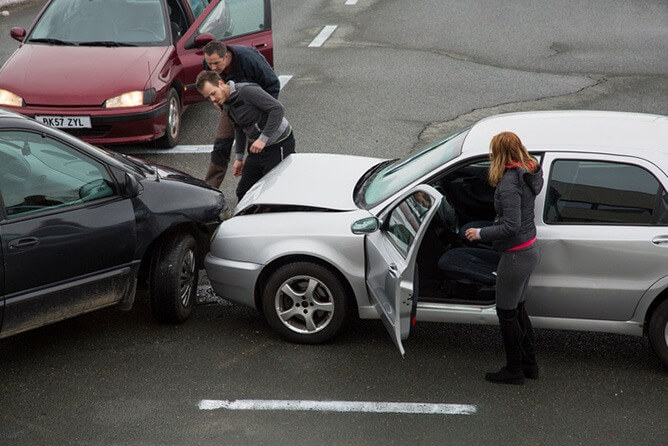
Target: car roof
{"type": "Point", "coordinates": [617, 133]}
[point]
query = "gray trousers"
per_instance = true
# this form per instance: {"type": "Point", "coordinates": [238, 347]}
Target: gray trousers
{"type": "Point", "coordinates": [512, 276]}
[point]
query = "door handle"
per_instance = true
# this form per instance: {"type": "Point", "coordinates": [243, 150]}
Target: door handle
{"type": "Point", "coordinates": [392, 269]}
{"type": "Point", "coordinates": [660, 240]}
{"type": "Point", "coordinates": [21, 244]}
{"type": "Point", "coordinates": [260, 45]}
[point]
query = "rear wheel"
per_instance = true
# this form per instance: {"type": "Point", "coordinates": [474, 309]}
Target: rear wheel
{"type": "Point", "coordinates": [173, 279]}
{"type": "Point", "coordinates": [658, 332]}
{"type": "Point", "coordinates": [173, 130]}
{"type": "Point", "coordinates": [305, 303]}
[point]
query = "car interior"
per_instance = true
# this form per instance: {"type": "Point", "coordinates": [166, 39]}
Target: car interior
{"type": "Point", "coordinates": [452, 269]}
{"type": "Point", "coordinates": [35, 175]}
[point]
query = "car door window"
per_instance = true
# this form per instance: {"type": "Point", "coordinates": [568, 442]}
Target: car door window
{"type": "Point", "coordinates": [234, 18]}
{"type": "Point", "coordinates": [197, 6]}
{"type": "Point", "coordinates": [405, 220]}
{"type": "Point", "coordinates": [601, 192]}
{"type": "Point", "coordinates": [39, 173]}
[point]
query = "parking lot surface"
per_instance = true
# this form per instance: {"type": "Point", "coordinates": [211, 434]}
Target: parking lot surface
{"type": "Point", "coordinates": [391, 76]}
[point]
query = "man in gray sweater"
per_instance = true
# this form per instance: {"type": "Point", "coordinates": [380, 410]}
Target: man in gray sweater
{"type": "Point", "coordinates": [258, 119]}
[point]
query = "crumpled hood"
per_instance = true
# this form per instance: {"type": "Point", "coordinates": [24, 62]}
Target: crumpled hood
{"type": "Point", "coordinates": [310, 179]}
{"type": "Point", "coordinates": [77, 75]}
{"type": "Point", "coordinates": [533, 179]}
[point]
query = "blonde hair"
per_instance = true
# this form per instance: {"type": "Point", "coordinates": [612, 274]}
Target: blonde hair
{"type": "Point", "coordinates": [506, 149]}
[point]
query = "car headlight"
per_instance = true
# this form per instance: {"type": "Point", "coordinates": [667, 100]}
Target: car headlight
{"type": "Point", "coordinates": [132, 99]}
{"type": "Point", "coordinates": [9, 98]}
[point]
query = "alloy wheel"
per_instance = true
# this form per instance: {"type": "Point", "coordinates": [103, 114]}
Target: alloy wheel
{"type": "Point", "coordinates": [187, 277]}
{"type": "Point", "coordinates": [174, 117]}
{"type": "Point", "coordinates": [304, 304]}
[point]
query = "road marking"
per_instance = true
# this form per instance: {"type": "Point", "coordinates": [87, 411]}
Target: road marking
{"type": "Point", "coordinates": [284, 80]}
{"type": "Point", "coordinates": [324, 35]}
{"type": "Point", "coordinates": [351, 2]}
{"type": "Point", "coordinates": [340, 406]}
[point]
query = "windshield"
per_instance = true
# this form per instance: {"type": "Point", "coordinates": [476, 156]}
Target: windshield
{"type": "Point", "coordinates": [102, 22]}
{"type": "Point", "coordinates": [394, 177]}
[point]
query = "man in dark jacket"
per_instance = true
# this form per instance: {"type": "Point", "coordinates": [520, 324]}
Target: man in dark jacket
{"type": "Point", "coordinates": [257, 118]}
{"type": "Point", "coordinates": [238, 64]}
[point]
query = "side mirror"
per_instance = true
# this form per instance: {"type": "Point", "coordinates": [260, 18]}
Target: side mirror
{"type": "Point", "coordinates": [18, 33]}
{"type": "Point", "coordinates": [202, 39]}
{"type": "Point", "coordinates": [365, 226]}
{"type": "Point", "coordinates": [131, 187]}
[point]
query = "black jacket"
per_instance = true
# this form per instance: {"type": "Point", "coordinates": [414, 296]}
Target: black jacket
{"type": "Point", "coordinates": [249, 66]}
{"type": "Point", "coordinates": [514, 203]}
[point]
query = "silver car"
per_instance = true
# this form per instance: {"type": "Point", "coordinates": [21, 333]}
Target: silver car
{"type": "Point", "coordinates": [324, 234]}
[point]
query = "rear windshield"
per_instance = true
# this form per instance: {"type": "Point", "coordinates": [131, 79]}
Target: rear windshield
{"type": "Point", "coordinates": [85, 22]}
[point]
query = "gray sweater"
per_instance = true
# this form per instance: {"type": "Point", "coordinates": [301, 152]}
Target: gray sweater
{"type": "Point", "coordinates": [256, 115]}
{"type": "Point", "coordinates": [514, 203]}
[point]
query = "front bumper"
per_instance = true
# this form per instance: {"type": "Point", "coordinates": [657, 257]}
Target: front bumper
{"type": "Point", "coordinates": [110, 126]}
{"type": "Point", "coordinates": [233, 280]}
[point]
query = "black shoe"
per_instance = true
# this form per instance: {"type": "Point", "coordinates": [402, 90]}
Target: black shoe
{"type": "Point", "coordinates": [506, 376]}
{"type": "Point", "coordinates": [531, 371]}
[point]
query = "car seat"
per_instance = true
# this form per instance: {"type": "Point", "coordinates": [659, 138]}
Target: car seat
{"type": "Point", "coordinates": [470, 265]}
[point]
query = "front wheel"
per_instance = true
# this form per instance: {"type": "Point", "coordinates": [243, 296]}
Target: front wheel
{"type": "Point", "coordinates": [658, 332]}
{"type": "Point", "coordinates": [173, 130]}
{"type": "Point", "coordinates": [305, 303]}
{"type": "Point", "coordinates": [173, 279]}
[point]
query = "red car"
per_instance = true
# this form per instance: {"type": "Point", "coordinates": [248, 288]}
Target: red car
{"type": "Point", "coordinates": [123, 71]}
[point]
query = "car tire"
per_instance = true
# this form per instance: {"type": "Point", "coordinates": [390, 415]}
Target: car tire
{"type": "Point", "coordinates": [319, 315]}
{"type": "Point", "coordinates": [173, 129]}
{"type": "Point", "coordinates": [173, 279]}
{"type": "Point", "coordinates": [658, 332]}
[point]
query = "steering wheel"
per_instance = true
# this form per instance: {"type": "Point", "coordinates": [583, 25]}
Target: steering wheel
{"type": "Point", "coordinates": [94, 189]}
{"type": "Point", "coordinates": [148, 31]}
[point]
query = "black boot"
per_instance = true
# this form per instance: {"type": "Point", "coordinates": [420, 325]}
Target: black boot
{"type": "Point", "coordinates": [529, 363]}
{"type": "Point", "coordinates": [511, 333]}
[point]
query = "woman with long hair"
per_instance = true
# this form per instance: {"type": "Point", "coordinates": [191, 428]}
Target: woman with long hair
{"type": "Point", "coordinates": [518, 178]}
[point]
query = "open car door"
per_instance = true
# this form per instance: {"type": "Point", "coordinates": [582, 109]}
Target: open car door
{"type": "Point", "coordinates": [391, 256]}
{"type": "Point", "coordinates": [234, 22]}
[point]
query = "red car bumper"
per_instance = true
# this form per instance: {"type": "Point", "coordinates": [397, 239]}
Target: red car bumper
{"type": "Point", "coordinates": [109, 126]}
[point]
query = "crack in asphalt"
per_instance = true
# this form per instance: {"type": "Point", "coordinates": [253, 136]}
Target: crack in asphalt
{"type": "Point", "coordinates": [434, 130]}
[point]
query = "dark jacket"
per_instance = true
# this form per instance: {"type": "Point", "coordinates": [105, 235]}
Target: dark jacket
{"type": "Point", "coordinates": [256, 115]}
{"type": "Point", "coordinates": [514, 203]}
{"type": "Point", "coordinates": [249, 65]}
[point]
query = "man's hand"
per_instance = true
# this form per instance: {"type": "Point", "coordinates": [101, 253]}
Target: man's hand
{"type": "Point", "coordinates": [257, 146]}
{"type": "Point", "coordinates": [237, 167]}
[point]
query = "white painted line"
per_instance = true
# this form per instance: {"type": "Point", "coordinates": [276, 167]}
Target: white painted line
{"type": "Point", "coordinates": [340, 406]}
{"type": "Point", "coordinates": [324, 35]}
{"type": "Point", "coordinates": [284, 80]}
{"type": "Point", "coordinates": [351, 2]}
{"type": "Point", "coordinates": [175, 149]}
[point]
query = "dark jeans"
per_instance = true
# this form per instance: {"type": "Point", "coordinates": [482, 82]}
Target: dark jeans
{"type": "Point", "coordinates": [258, 164]}
{"type": "Point", "coordinates": [513, 274]}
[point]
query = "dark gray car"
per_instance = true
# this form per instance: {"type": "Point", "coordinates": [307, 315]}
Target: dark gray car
{"type": "Point", "coordinates": [80, 227]}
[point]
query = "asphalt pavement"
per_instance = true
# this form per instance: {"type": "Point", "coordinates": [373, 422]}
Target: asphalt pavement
{"type": "Point", "coordinates": [392, 76]}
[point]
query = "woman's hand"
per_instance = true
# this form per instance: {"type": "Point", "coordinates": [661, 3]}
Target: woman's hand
{"type": "Point", "coordinates": [472, 234]}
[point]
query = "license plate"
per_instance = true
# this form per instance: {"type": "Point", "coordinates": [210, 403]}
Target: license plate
{"type": "Point", "coordinates": [65, 122]}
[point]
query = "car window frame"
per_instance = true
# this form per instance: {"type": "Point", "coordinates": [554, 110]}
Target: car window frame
{"type": "Point", "coordinates": [117, 195]}
{"type": "Point", "coordinates": [643, 163]}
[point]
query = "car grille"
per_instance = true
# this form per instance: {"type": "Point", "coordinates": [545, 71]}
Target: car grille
{"type": "Point", "coordinates": [99, 130]}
